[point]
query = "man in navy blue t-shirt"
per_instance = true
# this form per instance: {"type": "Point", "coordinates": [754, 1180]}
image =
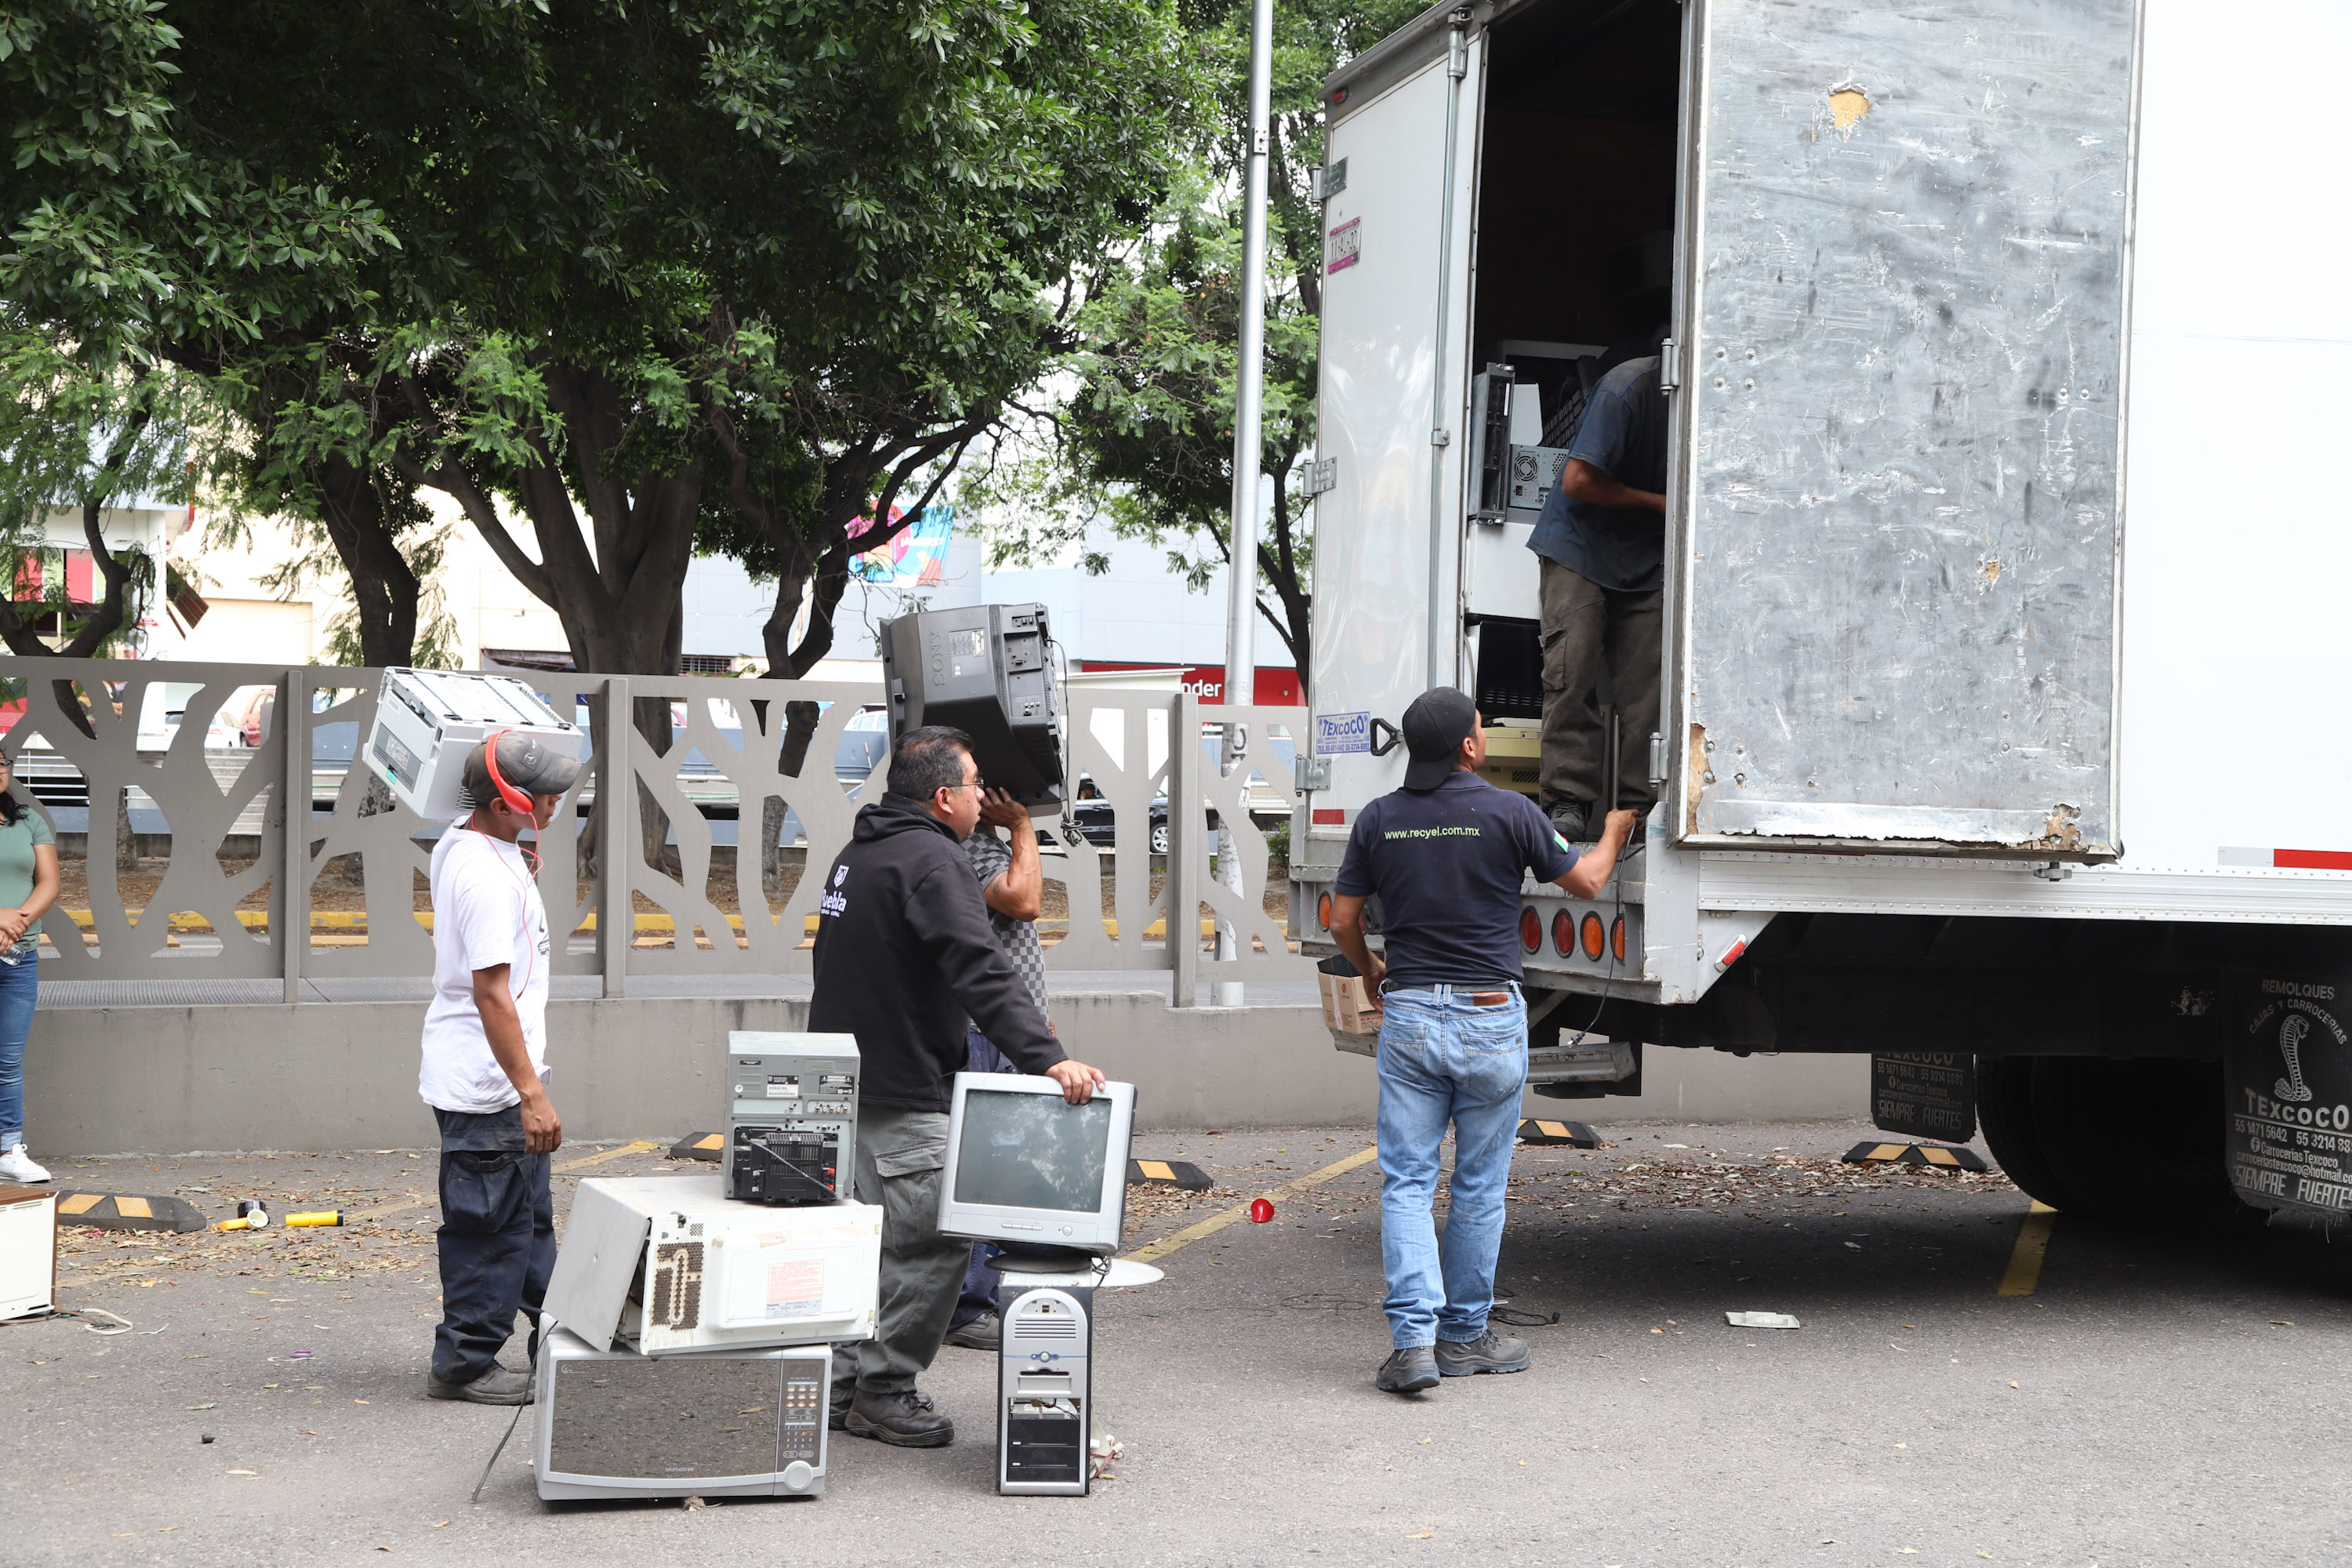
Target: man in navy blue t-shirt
{"type": "Point", "coordinates": [1601, 543]}
{"type": "Point", "coordinates": [1446, 855]}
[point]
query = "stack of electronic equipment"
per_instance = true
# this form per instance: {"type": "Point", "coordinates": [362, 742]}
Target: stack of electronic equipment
{"type": "Point", "coordinates": [1046, 1181]}
{"type": "Point", "coordinates": [695, 1315]}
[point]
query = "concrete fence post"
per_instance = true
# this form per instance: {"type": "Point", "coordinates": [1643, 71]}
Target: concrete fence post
{"type": "Point", "coordinates": [290, 916]}
{"type": "Point", "coordinates": [616, 839]}
{"type": "Point", "coordinates": [1187, 838]}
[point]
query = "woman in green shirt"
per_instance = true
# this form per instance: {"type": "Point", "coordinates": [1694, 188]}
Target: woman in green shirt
{"type": "Point", "coordinates": [28, 886]}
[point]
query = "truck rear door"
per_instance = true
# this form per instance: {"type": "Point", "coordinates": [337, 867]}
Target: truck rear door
{"type": "Point", "coordinates": [1377, 404]}
{"type": "Point", "coordinates": [1901, 325]}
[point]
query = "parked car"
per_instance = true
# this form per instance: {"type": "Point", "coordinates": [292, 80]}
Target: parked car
{"type": "Point", "coordinates": [1090, 818]}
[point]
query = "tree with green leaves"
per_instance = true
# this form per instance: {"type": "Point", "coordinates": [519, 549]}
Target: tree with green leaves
{"type": "Point", "coordinates": [641, 275]}
{"type": "Point", "coordinates": [1140, 434]}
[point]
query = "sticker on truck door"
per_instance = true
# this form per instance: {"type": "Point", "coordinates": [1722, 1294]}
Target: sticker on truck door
{"type": "Point", "coordinates": [1345, 245]}
{"type": "Point", "coordinates": [2290, 1096]}
{"type": "Point", "coordinates": [1340, 734]}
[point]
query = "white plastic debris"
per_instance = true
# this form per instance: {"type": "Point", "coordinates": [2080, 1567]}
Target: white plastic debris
{"type": "Point", "coordinates": [1761, 1320]}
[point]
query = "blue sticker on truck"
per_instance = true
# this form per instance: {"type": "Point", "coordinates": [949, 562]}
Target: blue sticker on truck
{"type": "Point", "coordinates": [1338, 734]}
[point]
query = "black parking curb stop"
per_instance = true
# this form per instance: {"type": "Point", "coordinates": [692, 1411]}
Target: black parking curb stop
{"type": "Point", "coordinates": [700, 1146]}
{"type": "Point", "coordinates": [1168, 1173]}
{"type": "Point", "coordinates": [129, 1211]}
{"type": "Point", "coordinates": [1558, 1134]}
{"type": "Point", "coordinates": [1950, 1159]}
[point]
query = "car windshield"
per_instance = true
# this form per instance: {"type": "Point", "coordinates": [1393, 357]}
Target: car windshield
{"type": "Point", "coordinates": [870, 718]}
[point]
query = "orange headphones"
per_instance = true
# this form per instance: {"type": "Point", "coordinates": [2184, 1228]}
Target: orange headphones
{"type": "Point", "coordinates": [516, 800]}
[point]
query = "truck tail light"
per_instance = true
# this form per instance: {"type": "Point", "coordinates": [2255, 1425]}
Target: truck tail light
{"type": "Point", "coordinates": [1617, 938]}
{"type": "Point", "coordinates": [1530, 929]}
{"type": "Point", "coordinates": [1593, 937]}
{"type": "Point", "coordinates": [1323, 911]}
{"type": "Point", "coordinates": [1563, 934]}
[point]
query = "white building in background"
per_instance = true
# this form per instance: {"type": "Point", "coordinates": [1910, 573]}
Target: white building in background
{"type": "Point", "coordinates": [1135, 617]}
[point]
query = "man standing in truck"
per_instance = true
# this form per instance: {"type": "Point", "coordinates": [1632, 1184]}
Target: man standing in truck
{"type": "Point", "coordinates": [1602, 542]}
{"type": "Point", "coordinates": [1445, 855]}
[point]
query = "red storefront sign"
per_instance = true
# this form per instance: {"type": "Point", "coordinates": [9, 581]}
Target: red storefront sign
{"type": "Point", "coordinates": [1275, 688]}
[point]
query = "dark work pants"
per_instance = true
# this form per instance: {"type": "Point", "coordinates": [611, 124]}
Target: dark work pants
{"type": "Point", "coordinates": [1587, 629]}
{"type": "Point", "coordinates": [497, 1236]}
{"type": "Point", "coordinates": [899, 1157]}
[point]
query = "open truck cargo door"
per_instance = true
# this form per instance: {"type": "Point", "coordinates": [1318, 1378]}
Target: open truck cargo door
{"type": "Point", "coordinates": [1395, 283]}
{"type": "Point", "coordinates": [1905, 278]}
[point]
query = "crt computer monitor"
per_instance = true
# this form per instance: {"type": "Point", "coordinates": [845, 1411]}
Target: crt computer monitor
{"type": "Point", "coordinates": [1033, 1172]}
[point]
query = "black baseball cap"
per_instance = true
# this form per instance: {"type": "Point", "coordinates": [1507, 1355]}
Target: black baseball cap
{"type": "Point", "coordinates": [1434, 728]}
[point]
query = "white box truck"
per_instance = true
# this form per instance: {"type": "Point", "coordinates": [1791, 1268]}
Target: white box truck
{"type": "Point", "coordinates": [1962, 754]}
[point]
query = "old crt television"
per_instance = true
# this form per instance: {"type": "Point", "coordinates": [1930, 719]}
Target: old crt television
{"type": "Point", "coordinates": [1033, 1172]}
{"type": "Point", "coordinates": [986, 670]}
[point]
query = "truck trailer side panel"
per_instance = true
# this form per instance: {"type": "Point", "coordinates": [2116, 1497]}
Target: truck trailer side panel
{"type": "Point", "coordinates": [1901, 402]}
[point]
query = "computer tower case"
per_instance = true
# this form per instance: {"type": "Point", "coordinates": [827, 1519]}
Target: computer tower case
{"type": "Point", "coordinates": [728, 1423]}
{"type": "Point", "coordinates": [986, 670]}
{"type": "Point", "coordinates": [1044, 1407]}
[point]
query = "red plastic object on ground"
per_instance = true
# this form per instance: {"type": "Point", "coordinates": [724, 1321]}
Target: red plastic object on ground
{"type": "Point", "coordinates": [1261, 1210]}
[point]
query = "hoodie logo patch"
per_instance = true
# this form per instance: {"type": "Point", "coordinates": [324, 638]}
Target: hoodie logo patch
{"type": "Point", "coordinates": [835, 902]}
{"type": "Point", "coordinates": [840, 875]}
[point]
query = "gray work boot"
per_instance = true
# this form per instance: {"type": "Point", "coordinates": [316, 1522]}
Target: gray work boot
{"type": "Point", "coordinates": [1407, 1370]}
{"type": "Point", "coordinates": [985, 1332]}
{"type": "Point", "coordinates": [902, 1420]}
{"type": "Point", "coordinates": [843, 1392]}
{"type": "Point", "coordinates": [499, 1385]}
{"type": "Point", "coordinates": [1577, 821]}
{"type": "Point", "coordinates": [1490, 1352]}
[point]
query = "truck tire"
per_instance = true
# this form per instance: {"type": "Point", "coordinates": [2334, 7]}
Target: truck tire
{"type": "Point", "coordinates": [2137, 1143]}
{"type": "Point", "coordinates": [2005, 1114]}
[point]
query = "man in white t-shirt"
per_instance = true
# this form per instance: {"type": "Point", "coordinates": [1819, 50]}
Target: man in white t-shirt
{"type": "Point", "coordinates": [485, 1068]}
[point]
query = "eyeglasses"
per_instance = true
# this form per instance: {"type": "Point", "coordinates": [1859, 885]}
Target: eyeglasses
{"type": "Point", "coordinates": [979, 784]}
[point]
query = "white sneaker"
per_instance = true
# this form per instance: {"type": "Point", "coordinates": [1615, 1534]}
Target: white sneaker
{"type": "Point", "coordinates": [15, 1165]}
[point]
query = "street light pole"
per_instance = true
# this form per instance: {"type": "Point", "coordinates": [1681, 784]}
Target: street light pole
{"type": "Point", "coordinates": [1249, 409]}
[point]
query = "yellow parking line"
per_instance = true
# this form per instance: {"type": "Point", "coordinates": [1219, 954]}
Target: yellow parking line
{"type": "Point", "coordinates": [1152, 1251]}
{"type": "Point", "coordinates": [2025, 1259]}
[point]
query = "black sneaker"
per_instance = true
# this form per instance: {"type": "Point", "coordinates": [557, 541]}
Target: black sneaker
{"type": "Point", "coordinates": [1407, 1370]}
{"type": "Point", "coordinates": [1490, 1352]}
{"type": "Point", "coordinates": [985, 1332]}
{"type": "Point", "coordinates": [902, 1420]}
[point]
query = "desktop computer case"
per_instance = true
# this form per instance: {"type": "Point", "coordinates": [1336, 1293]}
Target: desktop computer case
{"type": "Point", "coordinates": [728, 1423]}
{"type": "Point", "coordinates": [1045, 1406]}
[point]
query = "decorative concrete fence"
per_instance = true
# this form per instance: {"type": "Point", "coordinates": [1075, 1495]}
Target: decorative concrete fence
{"type": "Point", "coordinates": [699, 753]}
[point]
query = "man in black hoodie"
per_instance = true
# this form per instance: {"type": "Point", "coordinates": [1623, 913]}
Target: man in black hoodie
{"type": "Point", "coordinates": [905, 954]}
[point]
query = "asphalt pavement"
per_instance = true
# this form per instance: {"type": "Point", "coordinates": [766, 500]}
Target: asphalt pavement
{"type": "Point", "coordinates": [2136, 1401]}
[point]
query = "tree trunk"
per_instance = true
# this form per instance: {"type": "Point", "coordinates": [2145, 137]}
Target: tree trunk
{"type": "Point", "coordinates": [383, 585]}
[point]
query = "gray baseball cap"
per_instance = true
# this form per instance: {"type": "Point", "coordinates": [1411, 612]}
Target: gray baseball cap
{"type": "Point", "coordinates": [527, 762]}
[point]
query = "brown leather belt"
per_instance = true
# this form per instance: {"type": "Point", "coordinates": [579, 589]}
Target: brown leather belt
{"type": "Point", "coordinates": [1477, 998]}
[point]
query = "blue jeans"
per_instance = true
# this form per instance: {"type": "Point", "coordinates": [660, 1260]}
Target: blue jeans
{"type": "Point", "coordinates": [981, 1279]}
{"type": "Point", "coordinates": [19, 982]}
{"type": "Point", "coordinates": [497, 1239]}
{"type": "Point", "coordinates": [1443, 1059]}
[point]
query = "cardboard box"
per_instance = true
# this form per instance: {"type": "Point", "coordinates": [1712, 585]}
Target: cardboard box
{"type": "Point", "coordinates": [1347, 1007]}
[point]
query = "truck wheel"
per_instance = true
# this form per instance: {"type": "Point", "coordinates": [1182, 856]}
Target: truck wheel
{"type": "Point", "coordinates": [2005, 1114]}
{"type": "Point", "coordinates": [2137, 1143]}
